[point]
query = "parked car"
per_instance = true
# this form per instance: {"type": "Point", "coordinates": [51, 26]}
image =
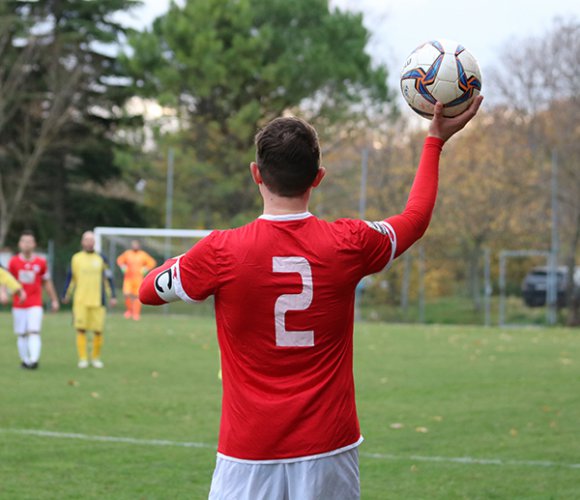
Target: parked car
{"type": "Point", "coordinates": [535, 285]}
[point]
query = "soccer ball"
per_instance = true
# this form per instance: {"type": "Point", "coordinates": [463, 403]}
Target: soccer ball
{"type": "Point", "coordinates": [440, 70]}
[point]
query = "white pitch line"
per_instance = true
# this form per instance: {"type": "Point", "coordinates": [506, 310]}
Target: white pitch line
{"type": "Point", "coordinates": [376, 456]}
{"type": "Point", "coordinates": [108, 439]}
{"type": "Point", "coordinates": [472, 461]}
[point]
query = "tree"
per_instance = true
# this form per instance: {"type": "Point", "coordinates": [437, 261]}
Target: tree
{"type": "Point", "coordinates": [546, 92]}
{"type": "Point", "coordinates": [59, 94]}
{"type": "Point", "coordinates": [227, 66]}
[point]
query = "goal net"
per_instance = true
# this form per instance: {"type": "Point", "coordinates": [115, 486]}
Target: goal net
{"type": "Point", "coordinates": [161, 244]}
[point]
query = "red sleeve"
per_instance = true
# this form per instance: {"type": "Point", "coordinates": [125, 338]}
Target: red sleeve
{"type": "Point", "coordinates": [199, 270]}
{"type": "Point", "coordinates": [191, 277]}
{"type": "Point", "coordinates": [378, 242]}
{"type": "Point", "coordinates": [412, 223]}
{"type": "Point", "coordinates": [155, 283]}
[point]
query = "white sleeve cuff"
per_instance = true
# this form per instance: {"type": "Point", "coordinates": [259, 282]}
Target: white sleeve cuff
{"type": "Point", "coordinates": [181, 293]}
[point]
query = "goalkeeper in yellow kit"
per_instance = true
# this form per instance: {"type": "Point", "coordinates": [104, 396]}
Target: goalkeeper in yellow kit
{"type": "Point", "coordinates": [91, 281]}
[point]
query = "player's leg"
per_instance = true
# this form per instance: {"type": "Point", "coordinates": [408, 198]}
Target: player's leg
{"type": "Point", "coordinates": [34, 325]}
{"type": "Point", "coordinates": [22, 343]}
{"type": "Point", "coordinates": [136, 304]}
{"type": "Point", "coordinates": [128, 307]}
{"type": "Point", "coordinates": [19, 317]}
{"type": "Point", "coordinates": [335, 477]}
{"type": "Point", "coordinates": [80, 324]}
{"type": "Point", "coordinates": [128, 299]}
{"type": "Point", "coordinates": [247, 481]}
{"type": "Point", "coordinates": [97, 324]}
{"type": "Point", "coordinates": [136, 308]}
{"type": "Point", "coordinates": [96, 352]}
{"type": "Point", "coordinates": [82, 349]}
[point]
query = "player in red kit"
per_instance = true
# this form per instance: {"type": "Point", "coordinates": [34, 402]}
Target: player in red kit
{"type": "Point", "coordinates": [284, 288]}
{"type": "Point", "coordinates": [32, 273]}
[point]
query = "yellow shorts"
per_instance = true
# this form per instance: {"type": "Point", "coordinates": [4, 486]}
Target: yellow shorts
{"type": "Point", "coordinates": [131, 286]}
{"type": "Point", "coordinates": [89, 318]}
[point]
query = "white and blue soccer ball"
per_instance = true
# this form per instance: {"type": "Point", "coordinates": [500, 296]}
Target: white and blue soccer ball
{"type": "Point", "coordinates": [440, 70]}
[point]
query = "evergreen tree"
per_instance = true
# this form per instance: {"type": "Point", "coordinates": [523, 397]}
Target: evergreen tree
{"type": "Point", "coordinates": [228, 66]}
{"type": "Point", "coordinates": [61, 104]}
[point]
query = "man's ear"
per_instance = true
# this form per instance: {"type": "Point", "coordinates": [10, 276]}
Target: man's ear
{"type": "Point", "coordinates": [319, 176]}
{"type": "Point", "coordinates": [256, 175]}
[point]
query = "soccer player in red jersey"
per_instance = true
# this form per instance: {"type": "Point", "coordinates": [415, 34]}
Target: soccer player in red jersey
{"type": "Point", "coordinates": [284, 288]}
{"type": "Point", "coordinates": [32, 273]}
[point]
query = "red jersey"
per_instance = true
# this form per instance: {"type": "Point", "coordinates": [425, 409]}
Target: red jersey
{"type": "Point", "coordinates": [284, 299]}
{"type": "Point", "coordinates": [284, 290]}
{"type": "Point", "coordinates": [30, 273]}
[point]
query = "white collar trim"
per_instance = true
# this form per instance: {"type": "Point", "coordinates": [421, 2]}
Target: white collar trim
{"type": "Point", "coordinates": [286, 217]}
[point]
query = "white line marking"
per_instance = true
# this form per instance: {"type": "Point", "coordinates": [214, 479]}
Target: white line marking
{"type": "Point", "coordinates": [472, 461]}
{"type": "Point", "coordinates": [109, 439]}
{"type": "Point", "coordinates": [376, 456]}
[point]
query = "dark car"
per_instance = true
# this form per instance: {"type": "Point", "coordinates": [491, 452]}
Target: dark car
{"type": "Point", "coordinates": [535, 285]}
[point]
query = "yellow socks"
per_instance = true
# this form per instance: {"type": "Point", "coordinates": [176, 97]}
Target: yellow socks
{"type": "Point", "coordinates": [82, 346]}
{"type": "Point", "coordinates": [97, 343]}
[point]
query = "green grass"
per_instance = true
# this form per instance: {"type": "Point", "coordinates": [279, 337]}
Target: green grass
{"type": "Point", "coordinates": [483, 393]}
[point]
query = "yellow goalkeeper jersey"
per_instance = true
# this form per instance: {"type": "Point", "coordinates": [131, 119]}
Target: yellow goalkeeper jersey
{"type": "Point", "coordinates": [90, 279]}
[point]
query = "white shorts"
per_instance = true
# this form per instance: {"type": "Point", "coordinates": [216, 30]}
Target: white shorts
{"type": "Point", "coordinates": [329, 478]}
{"type": "Point", "coordinates": [27, 319]}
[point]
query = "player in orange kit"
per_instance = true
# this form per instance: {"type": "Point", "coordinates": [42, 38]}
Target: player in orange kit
{"type": "Point", "coordinates": [135, 263]}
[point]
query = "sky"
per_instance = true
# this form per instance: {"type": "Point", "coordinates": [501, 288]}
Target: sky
{"type": "Point", "coordinates": [399, 26]}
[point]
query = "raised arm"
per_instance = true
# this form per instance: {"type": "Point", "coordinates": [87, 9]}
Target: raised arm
{"type": "Point", "coordinates": [410, 225]}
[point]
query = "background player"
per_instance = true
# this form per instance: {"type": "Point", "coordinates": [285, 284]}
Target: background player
{"type": "Point", "coordinates": [284, 288]}
{"type": "Point", "coordinates": [32, 272]}
{"type": "Point", "coordinates": [135, 264]}
{"type": "Point", "coordinates": [91, 281]}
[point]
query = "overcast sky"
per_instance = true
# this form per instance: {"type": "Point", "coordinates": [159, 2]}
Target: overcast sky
{"type": "Point", "coordinates": [398, 26]}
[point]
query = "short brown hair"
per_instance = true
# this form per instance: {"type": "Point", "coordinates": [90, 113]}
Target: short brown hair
{"type": "Point", "coordinates": [288, 155]}
{"type": "Point", "coordinates": [27, 232]}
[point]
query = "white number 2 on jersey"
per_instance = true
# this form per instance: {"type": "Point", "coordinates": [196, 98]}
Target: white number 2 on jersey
{"type": "Point", "coordinates": [293, 302]}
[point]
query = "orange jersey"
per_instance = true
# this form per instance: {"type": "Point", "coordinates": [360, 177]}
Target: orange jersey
{"type": "Point", "coordinates": [135, 264]}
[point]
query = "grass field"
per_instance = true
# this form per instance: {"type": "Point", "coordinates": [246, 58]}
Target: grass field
{"type": "Point", "coordinates": [447, 412]}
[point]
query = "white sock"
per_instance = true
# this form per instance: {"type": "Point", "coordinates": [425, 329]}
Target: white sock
{"type": "Point", "coordinates": [34, 345]}
{"type": "Point", "coordinates": [23, 348]}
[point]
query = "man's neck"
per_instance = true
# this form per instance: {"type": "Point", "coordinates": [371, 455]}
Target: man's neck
{"type": "Point", "coordinates": [281, 205]}
{"type": "Point", "coordinates": [26, 256]}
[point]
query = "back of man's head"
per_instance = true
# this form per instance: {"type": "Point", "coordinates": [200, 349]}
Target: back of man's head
{"type": "Point", "coordinates": [288, 156]}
